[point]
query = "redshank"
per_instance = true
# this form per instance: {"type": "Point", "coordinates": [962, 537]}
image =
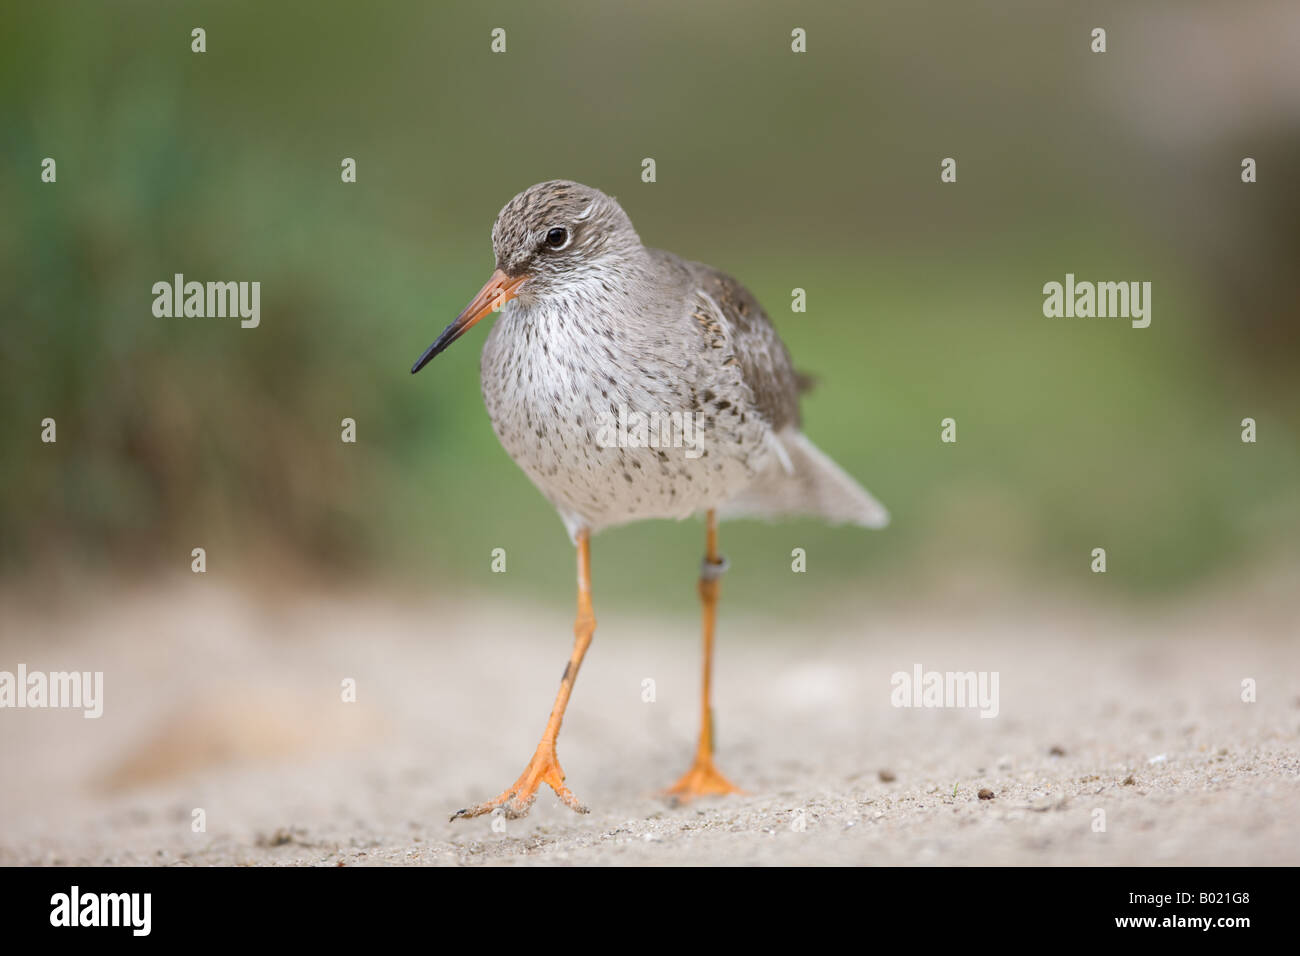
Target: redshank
{"type": "Point", "coordinates": [628, 384]}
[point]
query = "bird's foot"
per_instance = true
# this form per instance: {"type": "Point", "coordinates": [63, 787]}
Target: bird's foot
{"type": "Point", "coordinates": [518, 799]}
{"type": "Point", "coordinates": [702, 780]}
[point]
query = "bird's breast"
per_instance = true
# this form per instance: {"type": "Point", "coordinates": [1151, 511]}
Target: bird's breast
{"type": "Point", "coordinates": [611, 418]}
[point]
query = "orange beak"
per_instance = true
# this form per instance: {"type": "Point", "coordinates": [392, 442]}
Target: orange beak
{"type": "Point", "coordinates": [499, 290]}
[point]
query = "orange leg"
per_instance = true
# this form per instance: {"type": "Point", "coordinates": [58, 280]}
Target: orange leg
{"type": "Point", "coordinates": [704, 779]}
{"type": "Point", "coordinates": [545, 766]}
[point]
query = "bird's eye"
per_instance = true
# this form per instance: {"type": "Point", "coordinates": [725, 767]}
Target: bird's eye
{"type": "Point", "coordinates": [557, 237]}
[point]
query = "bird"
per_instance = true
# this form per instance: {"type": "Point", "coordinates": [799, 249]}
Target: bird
{"type": "Point", "coordinates": [630, 384]}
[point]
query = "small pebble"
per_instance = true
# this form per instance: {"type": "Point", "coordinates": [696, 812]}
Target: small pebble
{"type": "Point", "coordinates": [985, 793]}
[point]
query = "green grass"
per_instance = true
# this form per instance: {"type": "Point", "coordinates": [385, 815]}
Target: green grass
{"type": "Point", "coordinates": [923, 304]}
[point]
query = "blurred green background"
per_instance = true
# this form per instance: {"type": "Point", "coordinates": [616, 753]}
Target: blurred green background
{"type": "Point", "coordinates": [818, 171]}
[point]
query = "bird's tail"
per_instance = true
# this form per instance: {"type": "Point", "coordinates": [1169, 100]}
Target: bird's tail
{"type": "Point", "coordinates": [802, 481]}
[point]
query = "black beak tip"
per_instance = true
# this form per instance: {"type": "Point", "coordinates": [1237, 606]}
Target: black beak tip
{"type": "Point", "coordinates": [426, 358]}
{"type": "Point", "coordinates": [450, 334]}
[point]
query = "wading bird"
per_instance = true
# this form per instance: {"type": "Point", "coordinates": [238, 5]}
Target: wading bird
{"type": "Point", "coordinates": [593, 327]}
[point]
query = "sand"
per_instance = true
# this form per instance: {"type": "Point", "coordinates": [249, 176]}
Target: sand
{"type": "Point", "coordinates": [1121, 735]}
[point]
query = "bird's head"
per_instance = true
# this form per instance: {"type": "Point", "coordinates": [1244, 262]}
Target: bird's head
{"type": "Point", "coordinates": [549, 240]}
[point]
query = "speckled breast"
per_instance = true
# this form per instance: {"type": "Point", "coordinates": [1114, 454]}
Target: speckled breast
{"type": "Point", "coordinates": [615, 423]}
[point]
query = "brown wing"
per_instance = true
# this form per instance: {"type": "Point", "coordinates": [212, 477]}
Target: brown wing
{"type": "Point", "coordinates": [763, 359]}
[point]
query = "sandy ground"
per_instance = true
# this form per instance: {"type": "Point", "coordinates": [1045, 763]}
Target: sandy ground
{"type": "Point", "coordinates": [232, 704]}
